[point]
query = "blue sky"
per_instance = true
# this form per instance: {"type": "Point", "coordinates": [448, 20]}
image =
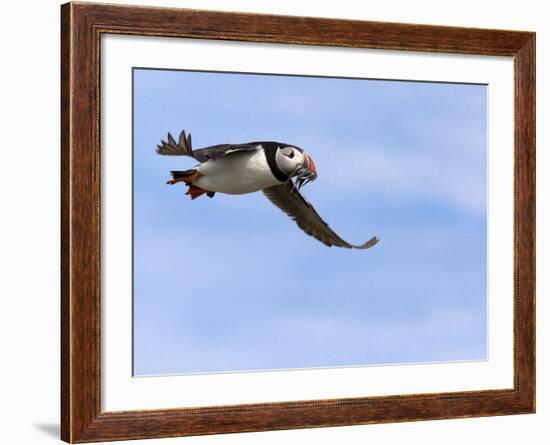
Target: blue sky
{"type": "Point", "coordinates": [232, 284]}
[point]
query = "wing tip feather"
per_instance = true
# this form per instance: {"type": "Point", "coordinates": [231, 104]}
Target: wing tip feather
{"type": "Point", "coordinates": [373, 241]}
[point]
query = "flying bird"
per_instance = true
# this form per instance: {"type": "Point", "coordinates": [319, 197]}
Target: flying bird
{"type": "Point", "coordinates": [278, 169]}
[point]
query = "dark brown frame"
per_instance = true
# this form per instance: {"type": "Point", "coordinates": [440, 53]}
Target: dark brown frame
{"type": "Point", "coordinates": [82, 25]}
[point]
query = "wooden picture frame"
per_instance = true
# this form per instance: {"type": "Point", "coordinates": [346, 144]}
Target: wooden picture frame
{"type": "Point", "coordinates": [82, 25]}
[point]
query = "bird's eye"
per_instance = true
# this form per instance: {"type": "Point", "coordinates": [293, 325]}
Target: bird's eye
{"type": "Point", "coordinates": [291, 154]}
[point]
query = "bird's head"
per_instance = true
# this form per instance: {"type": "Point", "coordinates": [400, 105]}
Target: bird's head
{"type": "Point", "coordinates": [296, 163]}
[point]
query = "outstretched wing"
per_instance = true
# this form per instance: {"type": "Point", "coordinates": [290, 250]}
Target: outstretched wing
{"type": "Point", "coordinates": [219, 151]}
{"type": "Point", "coordinates": [172, 148]}
{"type": "Point", "coordinates": [290, 201]}
{"type": "Point", "coordinates": [183, 147]}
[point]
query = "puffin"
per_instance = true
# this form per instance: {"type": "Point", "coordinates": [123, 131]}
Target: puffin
{"type": "Point", "coordinates": [277, 169]}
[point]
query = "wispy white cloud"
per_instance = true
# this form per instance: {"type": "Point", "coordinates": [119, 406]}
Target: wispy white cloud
{"type": "Point", "coordinates": [401, 175]}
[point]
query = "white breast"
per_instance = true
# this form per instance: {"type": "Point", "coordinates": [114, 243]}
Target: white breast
{"type": "Point", "coordinates": [236, 173]}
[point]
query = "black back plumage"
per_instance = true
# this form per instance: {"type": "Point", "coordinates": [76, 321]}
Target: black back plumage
{"type": "Point", "coordinates": [184, 148]}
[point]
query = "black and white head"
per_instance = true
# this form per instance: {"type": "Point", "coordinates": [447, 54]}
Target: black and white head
{"type": "Point", "coordinates": [295, 162]}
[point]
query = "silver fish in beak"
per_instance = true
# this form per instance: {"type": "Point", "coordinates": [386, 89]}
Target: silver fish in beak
{"type": "Point", "coordinates": [307, 172]}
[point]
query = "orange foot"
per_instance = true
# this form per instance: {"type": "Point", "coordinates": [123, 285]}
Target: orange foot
{"type": "Point", "coordinates": [195, 191]}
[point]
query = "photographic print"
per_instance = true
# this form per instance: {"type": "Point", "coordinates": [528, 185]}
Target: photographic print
{"type": "Point", "coordinates": [277, 222]}
{"type": "Point", "coordinates": [290, 222]}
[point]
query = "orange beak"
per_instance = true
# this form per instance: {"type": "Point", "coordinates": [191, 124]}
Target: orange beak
{"type": "Point", "coordinates": [310, 165]}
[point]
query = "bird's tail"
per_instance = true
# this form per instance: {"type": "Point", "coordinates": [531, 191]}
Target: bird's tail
{"type": "Point", "coordinates": [187, 176]}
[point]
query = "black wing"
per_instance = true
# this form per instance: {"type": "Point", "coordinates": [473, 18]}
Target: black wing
{"type": "Point", "coordinates": [290, 201]}
{"type": "Point", "coordinates": [184, 148]}
{"type": "Point", "coordinates": [172, 148]}
{"type": "Point", "coordinates": [219, 151]}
